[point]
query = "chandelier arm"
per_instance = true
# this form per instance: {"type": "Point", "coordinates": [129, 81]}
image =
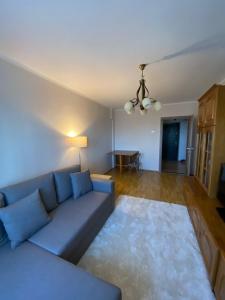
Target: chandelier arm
{"type": "Point", "coordinates": [147, 91]}
{"type": "Point", "coordinates": [142, 88]}
{"type": "Point", "coordinates": [137, 94]}
{"type": "Point", "coordinates": [133, 101]}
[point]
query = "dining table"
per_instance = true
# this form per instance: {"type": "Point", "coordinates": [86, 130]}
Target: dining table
{"type": "Point", "coordinates": [124, 157]}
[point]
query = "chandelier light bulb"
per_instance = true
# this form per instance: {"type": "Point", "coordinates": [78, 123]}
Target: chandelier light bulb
{"type": "Point", "coordinates": [130, 111]}
{"type": "Point", "coordinates": [128, 107]}
{"type": "Point", "coordinates": [146, 103]}
{"type": "Point", "coordinates": [157, 105]}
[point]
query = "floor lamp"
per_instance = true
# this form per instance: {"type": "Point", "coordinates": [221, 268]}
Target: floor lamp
{"type": "Point", "coordinates": [81, 142]}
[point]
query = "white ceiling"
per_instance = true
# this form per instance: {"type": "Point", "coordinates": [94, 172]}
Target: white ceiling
{"type": "Point", "coordinates": [95, 46]}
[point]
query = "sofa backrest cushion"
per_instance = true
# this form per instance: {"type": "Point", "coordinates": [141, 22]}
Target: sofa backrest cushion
{"type": "Point", "coordinates": [3, 235]}
{"type": "Point", "coordinates": [23, 218]}
{"type": "Point", "coordinates": [63, 182]}
{"type": "Point", "coordinates": [44, 183]}
{"type": "Point", "coordinates": [81, 183]}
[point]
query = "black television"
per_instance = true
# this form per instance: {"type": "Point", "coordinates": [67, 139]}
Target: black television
{"type": "Point", "coordinates": [221, 192]}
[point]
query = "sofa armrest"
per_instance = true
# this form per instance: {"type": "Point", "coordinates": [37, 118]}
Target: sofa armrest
{"type": "Point", "coordinates": [105, 186]}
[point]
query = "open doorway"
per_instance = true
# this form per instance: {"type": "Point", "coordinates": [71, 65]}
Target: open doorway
{"type": "Point", "coordinates": [176, 147]}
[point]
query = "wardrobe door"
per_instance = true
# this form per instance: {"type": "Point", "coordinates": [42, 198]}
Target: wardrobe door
{"type": "Point", "coordinates": [207, 157]}
{"type": "Point", "coordinates": [220, 280]}
{"type": "Point", "coordinates": [210, 109]}
{"type": "Point", "coordinates": [209, 251]}
{"type": "Point", "coordinates": [201, 114]}
{"type": "Point", "coordinates": [200, 154]}
{"type": "Point", "coordinates": [196, 221]}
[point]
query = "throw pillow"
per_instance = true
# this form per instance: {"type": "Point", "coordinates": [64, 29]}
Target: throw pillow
{"type": "Point", "coordinates": [81, 183]}
{"type": "Point", "coordinates": [23, 218]}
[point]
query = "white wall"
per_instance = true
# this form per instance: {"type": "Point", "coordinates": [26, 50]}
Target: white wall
{"type": "Point", "coordinates": [143, 133]}
{"type": "Point", "coordinates": [35, 116]}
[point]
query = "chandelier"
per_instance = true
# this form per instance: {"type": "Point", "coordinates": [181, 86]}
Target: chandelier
{"type": "Point", "coordinates": [142, 98]}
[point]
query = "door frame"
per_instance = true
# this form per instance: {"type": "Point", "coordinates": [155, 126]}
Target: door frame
{"type": "Point", "coordinates": [190, 139]}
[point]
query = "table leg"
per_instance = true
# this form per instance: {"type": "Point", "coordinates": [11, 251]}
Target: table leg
{"type": "Point", "coordinates": [121, 162]}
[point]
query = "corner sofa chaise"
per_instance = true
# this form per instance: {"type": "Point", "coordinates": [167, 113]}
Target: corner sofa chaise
{"type": "Point", "coordinates": [43, 267]}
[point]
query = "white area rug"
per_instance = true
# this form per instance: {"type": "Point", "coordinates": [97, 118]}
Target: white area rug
{"type": "Point", "coordinates": [148, 248]}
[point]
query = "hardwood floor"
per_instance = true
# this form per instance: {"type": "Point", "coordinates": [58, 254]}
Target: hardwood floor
{"type": "Point", "coordinates": [172, 188]}
{"type": "Point", "coordinates": [177, 167]}
{"type": "Point", "coordinates": [166, 187]}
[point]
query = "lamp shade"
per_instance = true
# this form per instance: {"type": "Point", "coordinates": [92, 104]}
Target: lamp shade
{"type": "Point", "coordinates": [81, 141]}
{"type": "Point", "coordinates": [128, 107]}
{"type": "Point", "coordinates": [157, 105]}
{"type": "Point", "coordinates": [146, 103]}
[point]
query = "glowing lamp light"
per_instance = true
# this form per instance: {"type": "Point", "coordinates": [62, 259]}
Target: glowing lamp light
{"type": "Point", "coordinates": [71, 134]}
{"type": "Point", "coordinates": [77, 141]}
{"type": "Point", "coordinates": [81, 141]}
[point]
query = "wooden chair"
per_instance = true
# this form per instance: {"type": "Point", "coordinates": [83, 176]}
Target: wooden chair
{"type": "Point", "coordinates": [135, 163]}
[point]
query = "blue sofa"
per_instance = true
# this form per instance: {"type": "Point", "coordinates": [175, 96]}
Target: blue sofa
{"type": "Point", "coordinates": [44, 266]}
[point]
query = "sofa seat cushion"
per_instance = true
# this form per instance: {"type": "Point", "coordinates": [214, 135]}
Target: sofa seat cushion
{"type": "Point", "coordinates": [29, 272]}
{"type": "Point", "coordinates": [71, 222]}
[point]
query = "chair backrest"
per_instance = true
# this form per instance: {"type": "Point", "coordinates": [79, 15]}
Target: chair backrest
{"type": "Point", "coordinates": [136, 158]}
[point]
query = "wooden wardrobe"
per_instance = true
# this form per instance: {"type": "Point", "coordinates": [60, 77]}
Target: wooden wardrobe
{"type": "Point", "coordinates": [209, 227]}
{"type": "Point", "coordinates": [211, 138]}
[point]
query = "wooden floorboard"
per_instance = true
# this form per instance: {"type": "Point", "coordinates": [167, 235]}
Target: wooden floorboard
{"type": "Point", "coordinates": [166, 187]}
{"type": "Point", "coordinates": [175, 167]}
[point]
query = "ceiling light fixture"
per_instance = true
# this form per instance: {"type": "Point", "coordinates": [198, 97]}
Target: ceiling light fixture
{"type": "Point", "coordinates": [142, 98]}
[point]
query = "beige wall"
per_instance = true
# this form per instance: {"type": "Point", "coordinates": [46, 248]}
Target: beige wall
{"type": "Point", "coordinates": [35, 116]}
